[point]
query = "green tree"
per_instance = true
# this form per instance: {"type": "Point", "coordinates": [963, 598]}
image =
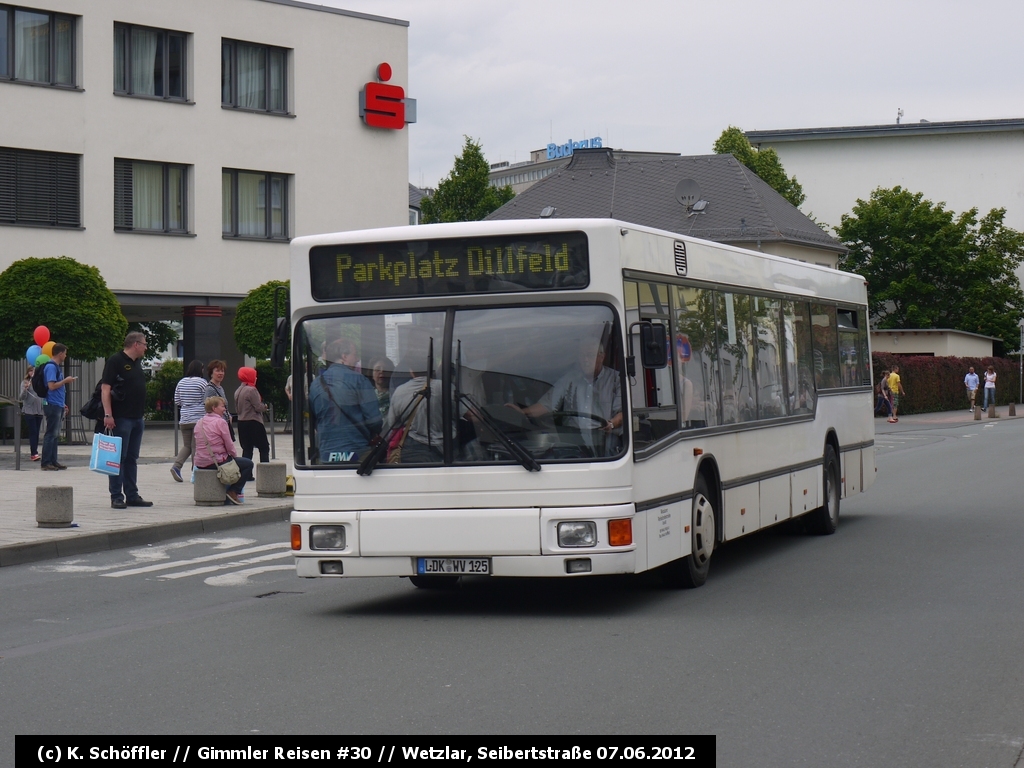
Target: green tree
{"type": "Point", "coordinates": [69, 298]}
{"type": "Point", "coordinates": [765, 163]}
{"type": "Point", "coordinates": [465, 194]}
{"type": "Point", "coordinates": [254, 319]}
{"type": "Point", "coordinates": [929, 268]}
{"type": "Point", "coordinates": [159, 336]}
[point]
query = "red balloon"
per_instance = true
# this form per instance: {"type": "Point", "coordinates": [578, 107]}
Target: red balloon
{"type": "Point", "coordinates": [41, 335]}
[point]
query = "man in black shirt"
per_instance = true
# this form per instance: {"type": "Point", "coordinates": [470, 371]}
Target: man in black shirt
{"type": "Point", "coordinates": [123, 391]}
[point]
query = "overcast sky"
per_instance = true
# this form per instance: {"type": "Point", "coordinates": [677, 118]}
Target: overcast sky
{"type": "Point", "coordinates": [669, 76]}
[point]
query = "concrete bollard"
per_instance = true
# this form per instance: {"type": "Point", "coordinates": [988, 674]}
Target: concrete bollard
{"type": "Point", "coordinates": [977, 413]}
{"type": "Point", "coordinates": [55, 506]}
{"type": "Point", "coordinates": [271, 478]}
{"type": "Point", "coordinates": [992, 411]}
{"type": "Point", "coordinates": [208, 490]}
{"type": "Point", "coordinates": [1013, 409]}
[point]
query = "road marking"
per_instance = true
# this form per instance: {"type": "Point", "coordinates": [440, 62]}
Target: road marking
{"type": "Point", "coordinates": [241, 578]}
{"type": "Point", "coordinates": [225, 566]}
{"type": "Point", "coordinates": [142, 555]}
{"type": "Point", "coordinates": [197, 560]}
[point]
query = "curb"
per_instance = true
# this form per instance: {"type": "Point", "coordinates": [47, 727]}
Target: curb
{"type": "Point", "coordinates": [19, 554]}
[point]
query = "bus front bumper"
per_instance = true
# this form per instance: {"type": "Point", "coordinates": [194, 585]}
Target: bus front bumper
{"type": "Point", "coordinates": [538, 566]}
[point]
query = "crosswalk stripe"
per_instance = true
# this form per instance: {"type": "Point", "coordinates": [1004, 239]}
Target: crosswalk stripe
{"type": "Point", "coordinates": [224, 566]}
{"type": "Point", "coordinates": [241, 578]}
{"type": "Point", "coordinates": [194, 561]}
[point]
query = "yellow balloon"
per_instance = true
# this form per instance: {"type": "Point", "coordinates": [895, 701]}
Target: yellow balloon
{"type": "Point", "coordinates": [48, 348]}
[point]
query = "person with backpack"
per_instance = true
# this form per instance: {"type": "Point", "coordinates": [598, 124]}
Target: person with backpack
{"type": "Point", "coordinates": [54, 404]}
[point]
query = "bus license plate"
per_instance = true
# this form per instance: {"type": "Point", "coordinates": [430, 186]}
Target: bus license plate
{"type": "Point", "coordinates": [462, 566]}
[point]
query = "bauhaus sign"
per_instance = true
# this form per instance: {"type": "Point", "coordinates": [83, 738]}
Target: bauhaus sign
{"type": "Point", "coordinates": [385, 106]}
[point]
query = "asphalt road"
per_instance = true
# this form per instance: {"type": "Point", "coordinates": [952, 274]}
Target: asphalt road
{"type": "Point", "coordinates": [897, 641]}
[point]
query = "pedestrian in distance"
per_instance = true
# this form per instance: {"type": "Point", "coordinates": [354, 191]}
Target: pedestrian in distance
{"type": "Point", "coordinates": [990, 387]}
{"type": "Point", "coordinates": [883, 406]}
{"type": "Point", "coordinates": [895, 392]}
{"type": "Point", "coordinates": [216, 370]}
{"type": "Point", "coordinates": [125, 418]}
{"type": "Point", "coordinates": [189, 396]}
{"type": "Point", "coordinates": [55, 405]}
{"type": "Point", "coordinates": [252, 435]}
{"type": "Point", "coordinates": [32, 409]}
{"type": "Point", "coordinates": [971, 382]}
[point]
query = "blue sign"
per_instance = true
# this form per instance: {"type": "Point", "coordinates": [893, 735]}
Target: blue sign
{"type": "Point", "coordinates": [566, 150]}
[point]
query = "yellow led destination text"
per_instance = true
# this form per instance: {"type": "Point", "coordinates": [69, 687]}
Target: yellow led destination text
{"type": "Point", "coordinates": [507, 262]}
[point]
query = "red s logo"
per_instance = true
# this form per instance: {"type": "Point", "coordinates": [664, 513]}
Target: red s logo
{"type": "Point", "coordinates": [382, 105]}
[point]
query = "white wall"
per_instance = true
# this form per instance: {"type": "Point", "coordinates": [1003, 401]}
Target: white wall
{"type": "Point", "coordinates": [346, 175]}
{"type": "Point", "coordinates": [939, 343]}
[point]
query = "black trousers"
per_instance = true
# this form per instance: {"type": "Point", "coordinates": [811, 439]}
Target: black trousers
{"type": "Point", "coordinates": [252, 434]}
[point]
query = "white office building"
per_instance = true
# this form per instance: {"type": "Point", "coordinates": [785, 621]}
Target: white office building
{"type": "Point", "coordinates": [179, 145]}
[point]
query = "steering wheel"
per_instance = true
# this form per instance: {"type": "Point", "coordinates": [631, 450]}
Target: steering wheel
{"type": "Point", "coordinates": [601, 421]}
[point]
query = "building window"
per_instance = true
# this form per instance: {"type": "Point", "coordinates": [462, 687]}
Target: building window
{"type": "Point", "coordinates": [150, 197]}
{"type": "Point", "coordinates": [254, 76]}
{"type": "Point", "coordinates": [36, 46]}
{"type": "Point", "coordinates": [255, 205]}
{"type": "Point", "coordinates": [149, 62]}
{"type": "Point", "coordinates": [414, 215]}
{"type": "Point", "coordinates": [41, 188]}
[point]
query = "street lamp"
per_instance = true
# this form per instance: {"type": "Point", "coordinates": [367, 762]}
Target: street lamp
{"type": "Point", "coordinates": [1020, 360]}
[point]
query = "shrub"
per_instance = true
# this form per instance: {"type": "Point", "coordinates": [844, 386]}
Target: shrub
{"type": "Point", "coordinates": [270, 383]}
{"type": "Point", "coordinates": [160, 391]}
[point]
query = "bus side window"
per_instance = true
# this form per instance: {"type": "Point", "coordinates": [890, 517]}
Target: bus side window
{"type": "Point", "coordinates": [695, 353]}
{"type": "Point", "coordinates": [826, 346]}
{"type": "Point", "coordinates": [799, 366]}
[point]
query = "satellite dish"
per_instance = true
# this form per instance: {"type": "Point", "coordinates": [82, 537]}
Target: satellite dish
{"type": "Point", "coordinates": [687, 192]}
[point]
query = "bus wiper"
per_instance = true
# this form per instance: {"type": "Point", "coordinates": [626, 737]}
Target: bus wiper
{"type": "Point", "coordinates": [380, 450]}
{"type": "Point", "coordinates": [520, 453]}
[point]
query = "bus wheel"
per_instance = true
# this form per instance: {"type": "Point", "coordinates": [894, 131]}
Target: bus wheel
{"type": "Point", "coordinates": [692, 570]}
{"type": "Point", "coordinates": [435, 582]}
{"type": "Point", "coordinates": [825, 519]}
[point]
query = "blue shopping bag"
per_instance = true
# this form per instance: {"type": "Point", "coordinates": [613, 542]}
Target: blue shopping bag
{"type": "Point", "coordinates": [106, 454]}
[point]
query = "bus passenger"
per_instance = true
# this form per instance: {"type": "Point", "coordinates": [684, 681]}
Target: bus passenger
{"type": "Point", "coordinates": [588, 389]}
{"type": "Point", "coordinates": [423, 444]}
{"type": "Point", "coordinates": [345, 405]}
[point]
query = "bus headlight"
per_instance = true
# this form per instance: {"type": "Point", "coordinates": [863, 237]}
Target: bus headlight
{"type": "Point", "coordinates": [327, 537]}
{"type": "Point", "coordinates": [577, 534]}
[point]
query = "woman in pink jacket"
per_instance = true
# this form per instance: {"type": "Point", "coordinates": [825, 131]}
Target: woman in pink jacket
{"type": "Point", "coordinates": [214, 446]}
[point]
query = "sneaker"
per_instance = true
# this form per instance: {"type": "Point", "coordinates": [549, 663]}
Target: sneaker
{"type": "Point", "coordinates": [35, 457]}
{"type": "Point", "coordinates": [138, 501]}
{"type": "Point", "coordinates": [233, 497]}
{"type": "Point", "coordinates": [118, 504]}
{"type": "Point", "coordinates": [176, 474]}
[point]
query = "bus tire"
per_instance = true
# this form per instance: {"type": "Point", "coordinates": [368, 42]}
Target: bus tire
{"type": "Point", "coordinates": [435, 582]}
{"type": "Point", "coordinates": [692, 570]}
{"type": "Point", "coordinates": [825, 519]}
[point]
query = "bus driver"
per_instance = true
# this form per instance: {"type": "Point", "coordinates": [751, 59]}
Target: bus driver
{"type": "Point", "coordinates": [588, 389]}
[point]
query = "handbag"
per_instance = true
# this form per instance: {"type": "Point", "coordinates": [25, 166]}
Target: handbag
{"type": "Point", "coordinates": [228, 472]}
{"type": "Point", "coordinates": [398, 439]}
{"type": "Point", "coordinates": [106, 453]}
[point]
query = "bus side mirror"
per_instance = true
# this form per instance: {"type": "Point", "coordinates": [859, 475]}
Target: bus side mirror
{"type": "Point", "coordinates": [280, 347]}
{"type": "Point", "coordinates": [653, 345]}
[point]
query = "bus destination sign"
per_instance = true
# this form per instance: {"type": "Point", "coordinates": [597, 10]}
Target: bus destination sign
{"type": "Point", "coordinates": [503, 264]}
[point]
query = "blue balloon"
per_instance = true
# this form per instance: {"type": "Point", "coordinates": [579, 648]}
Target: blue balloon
{"type": "Point", "coordinates": [33, 352]}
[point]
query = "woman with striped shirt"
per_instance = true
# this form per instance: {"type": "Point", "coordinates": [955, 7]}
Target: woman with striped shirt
{"type": "Point", "coordinates": [190, 395]}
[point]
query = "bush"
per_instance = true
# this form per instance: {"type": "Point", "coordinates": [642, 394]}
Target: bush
{"type": "Point", "coordinates": [937, 383]}
{"type": "Point", "coordinates": [270, 383]}
{"type": "Point", "coordinates": [160, 391]}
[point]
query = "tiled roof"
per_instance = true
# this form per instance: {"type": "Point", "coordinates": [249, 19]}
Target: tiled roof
{"type": "Point", "coordinates": [741, 209]}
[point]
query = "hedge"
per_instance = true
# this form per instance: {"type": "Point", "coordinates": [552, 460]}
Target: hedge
{"type": "Point", "coordinates": [937, 383]}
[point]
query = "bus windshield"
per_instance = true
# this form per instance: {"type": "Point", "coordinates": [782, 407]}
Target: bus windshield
{"type": "Point", "coordinates": [524, 384]}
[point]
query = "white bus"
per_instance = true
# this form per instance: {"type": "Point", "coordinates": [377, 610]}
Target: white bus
{"type": "Point", "coordinates": [565, 398]}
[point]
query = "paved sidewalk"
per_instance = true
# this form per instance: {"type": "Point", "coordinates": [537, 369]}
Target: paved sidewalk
{"type": "Point", "coordinates": [942, 420]}
{"type": "Point", "coordinates": [99, 527]}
